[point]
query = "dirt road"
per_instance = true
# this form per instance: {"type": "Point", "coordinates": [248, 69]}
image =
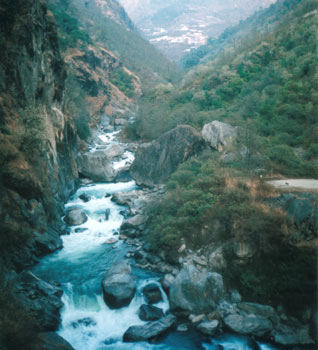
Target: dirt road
{"type": "Point", "coordinates": [309, 184]}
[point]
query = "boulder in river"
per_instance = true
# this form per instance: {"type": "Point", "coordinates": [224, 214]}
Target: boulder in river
{"type": "Point", "coordinates": [96, 166]}
{"type": "Point", "coordinates": [84, 197]}
{"type": "Point", "coordinates": [150, 313]}
{"type": "Point", "coordinates": [137, 221]}
{"type": "Point", "coordinates": [219, 135]}
{"type": "Point", "coordinates": [208, 327]}
{"type": "Point", "coordinates": [152, 293]}
{"type": "Point", "coordinates": [51, 341]}
{"type": "Point", "coordinates": [114, 151]}
{"type": "Point", "coordinates": [156, 161]}
{"type": "Point", "coordinates": [119, 286]}
{"type": "Point", "coordinates": [75, 216]}
{"type": "Point", "coordinates": [195, 291]}
{"type": "Point", "coordinates": [248, 324]}
{"type": "Point", "coordinates": [149, 330]}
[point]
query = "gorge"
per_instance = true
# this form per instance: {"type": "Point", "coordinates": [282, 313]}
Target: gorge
{"type": "Point", "coordinates": [136, 209]}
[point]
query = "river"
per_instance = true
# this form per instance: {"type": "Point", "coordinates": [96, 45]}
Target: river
{"type": "Point", "coordinates": [87, 322]}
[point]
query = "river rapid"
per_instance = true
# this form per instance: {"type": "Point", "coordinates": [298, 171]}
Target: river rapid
{"type": "Point", "coordinates": [87, 322]}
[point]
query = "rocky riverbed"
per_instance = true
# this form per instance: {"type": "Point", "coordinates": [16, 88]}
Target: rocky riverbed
{"type": "Point", "coordinates": [115, 290]}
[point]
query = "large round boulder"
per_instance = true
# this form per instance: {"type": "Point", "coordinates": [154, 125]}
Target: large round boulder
{"type": "Point", "coordinates": [75, 216]}
{"type": "Point", "coordinates": [196, 291]}
{"type": "Point", "coordinates": [152, 293]}
{"type": "Point", "coordinates": [219, 135]}
{"type": "Point", "coordinates": [156, 161]}
{"type": "Point", "coordinates": [96, 166]}
{"type": "Point", "coordinates": [119, 286]}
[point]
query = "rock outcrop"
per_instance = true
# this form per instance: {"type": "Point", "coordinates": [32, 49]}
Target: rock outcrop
{"type": "Point", "coordinates": [119, 286]}
{"type": "Point", "coordinates": [41, 300]}
{"type": "Point", "coordinates": [248, 324]}
{"type": "Point", "coordinates": [292, 333]}
{"type": "Point", "coordinates": [51, 341]}
{"type": "Point", "coordinates": [195, 291]}
{"type": "Point", "coordinates": [96, 166]}
{"type": "Point", "coordinates": [219, 135]}
{"type": "Point", "coordinates": [149, 330]}
{"type": "Point", "coordinates": [37, 137]}
{"type": "Point", "coordinates": [156, 161]}
{"type": "Point", "coordinates": [263, 321]}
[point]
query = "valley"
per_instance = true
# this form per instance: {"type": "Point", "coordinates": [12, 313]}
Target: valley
{"type": "Point", "coordinates": [175, 27]}
{"type": "Point", "coordinates": [153, 206]}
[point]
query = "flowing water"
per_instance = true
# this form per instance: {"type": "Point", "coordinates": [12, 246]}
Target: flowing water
{"type": "Point", "coordinates": [87, 322]}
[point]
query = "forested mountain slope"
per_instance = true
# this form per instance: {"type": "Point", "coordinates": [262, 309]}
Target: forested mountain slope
{"type": "Point", "coordinates": [266, 83]}
{"type": "Point", "coordinates": [218, 203]}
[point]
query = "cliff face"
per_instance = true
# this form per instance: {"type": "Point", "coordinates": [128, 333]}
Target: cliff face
{"type": "Point", "coordinates": [37, 139]}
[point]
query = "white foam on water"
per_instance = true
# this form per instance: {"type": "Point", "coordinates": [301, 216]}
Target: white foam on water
{"type": "Point", "coordinates": [103, 325]}
{"type": "Point", "coordinates": [128, 158]}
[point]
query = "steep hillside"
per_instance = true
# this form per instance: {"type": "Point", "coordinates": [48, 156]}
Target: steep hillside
{"type": "Point", "coordinates": [107, 60]}
{"type": "Point", "coordinates": [266, 84]}
{"type": "Point", "coordinates": [37, 169]}
{"type": "Point", "coordinates": [98, 83]}
{"type": "Point", "coordinates": [112, 29]}
{"type": "Point", "coordinates": [179, 25]}
{"type": "Point", "coordinates": [37, 136]}
{"type": "Point", "coordinates": [218, 205]}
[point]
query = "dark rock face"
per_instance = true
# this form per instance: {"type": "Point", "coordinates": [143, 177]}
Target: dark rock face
{"type": "Point", "coordinates": [196, 292]}
{"type": "Point", "coordinates": [152, 293]}
{"type": "Point", "coordinates": [51, 341]}
{"type": "Point", "coordinates": [149, 330]}
{"type": "Point", "coordinates": [39, 176]}
{"type": "Point", "coordinates": [150, 313]}
{"type": "Point", "coordinates": [75, 216]}
{"type": "Point", "coordinates": [156, 161]}
{"type": "Point", "coordinates": [42, 300]}
{"type": "Point", "coordinates": [119, 286]}
{"type": "Point", "coordinates": [292, 333]}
